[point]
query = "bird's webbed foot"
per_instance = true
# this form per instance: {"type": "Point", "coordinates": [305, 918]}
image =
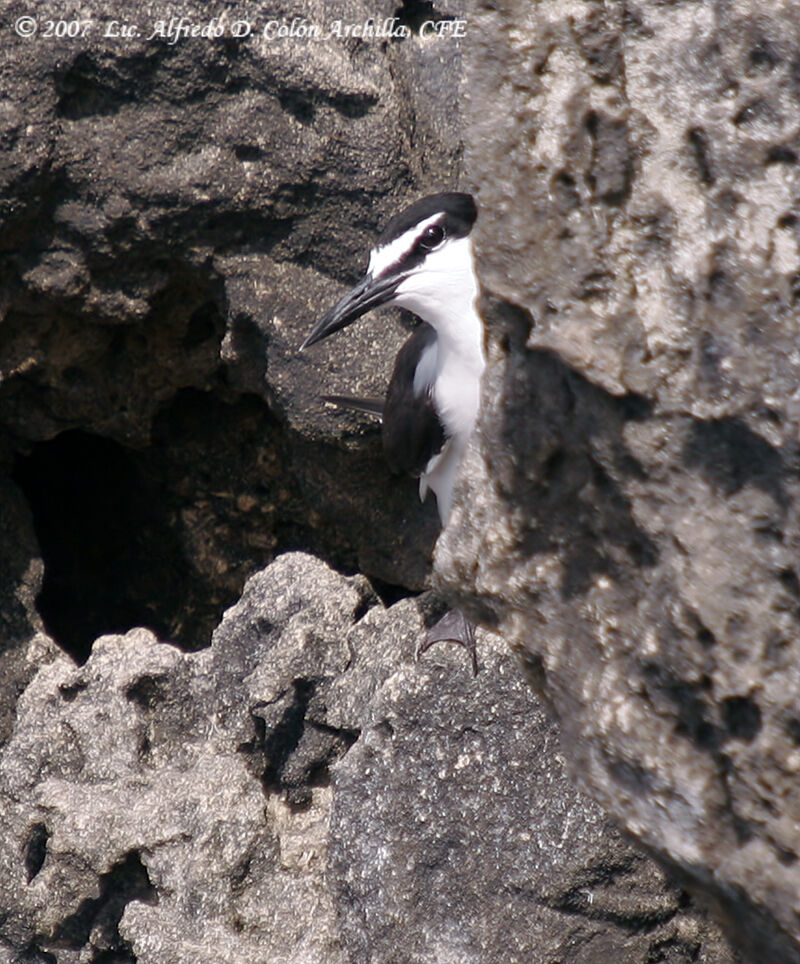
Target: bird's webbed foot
{"type": "Point", "coordinates": [453, 627]}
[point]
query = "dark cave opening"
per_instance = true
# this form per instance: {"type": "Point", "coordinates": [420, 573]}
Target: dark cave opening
{"type": "Point", "coordinates": [111, 560]}
{"type": "Point", "coordinates": [165, 536]}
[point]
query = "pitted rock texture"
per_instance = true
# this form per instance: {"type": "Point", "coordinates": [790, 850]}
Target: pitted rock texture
{"type": "Point", "coordinates": [628, 519]}
{"type": "Point", "coordinates": [22, 640]}
{"type": "Point", "coordinates": [304, 791]}
{"type": "Point", "coordinates": [175, 217]}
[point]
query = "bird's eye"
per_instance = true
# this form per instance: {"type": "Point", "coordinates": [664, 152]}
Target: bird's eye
{"type": "Point", "coordinates": [432, 237]}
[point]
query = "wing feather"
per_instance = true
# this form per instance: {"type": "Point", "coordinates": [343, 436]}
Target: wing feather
{"type": "Point", "coordinates": [412, 431]}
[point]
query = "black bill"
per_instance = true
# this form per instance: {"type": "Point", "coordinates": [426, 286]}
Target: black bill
{"type": "Point", "coordinates": [368, 293]}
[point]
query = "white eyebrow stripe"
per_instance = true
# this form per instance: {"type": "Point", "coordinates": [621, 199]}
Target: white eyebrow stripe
{"type": "Point", "coordinates": [382, 258]}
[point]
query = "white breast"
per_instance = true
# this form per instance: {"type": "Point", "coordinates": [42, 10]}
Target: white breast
{"type": "Point", "coordinates": [443, 291]}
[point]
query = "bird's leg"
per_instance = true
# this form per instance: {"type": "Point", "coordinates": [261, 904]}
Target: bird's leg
{"type": "Point", "coordinates": [453, 627]}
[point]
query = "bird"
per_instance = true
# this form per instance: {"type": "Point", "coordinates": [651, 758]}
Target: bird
{"type": "Point", "coordinates": [423, 261]}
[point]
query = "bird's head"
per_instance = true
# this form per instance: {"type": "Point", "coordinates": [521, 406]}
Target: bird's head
{"type": "Point", "coordinates": [422, 262]}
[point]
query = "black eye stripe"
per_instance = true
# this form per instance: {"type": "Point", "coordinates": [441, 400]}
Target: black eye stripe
{"type": "Point", "coordinates": [421, 241]}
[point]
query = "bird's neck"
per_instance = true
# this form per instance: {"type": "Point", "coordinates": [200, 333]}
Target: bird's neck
{"type": "Point", "coordinates": [459, 332]}
{"type": "Point", "coordinates": [450, 306]}
{"type": "Point", "coordinates": [460, 358]}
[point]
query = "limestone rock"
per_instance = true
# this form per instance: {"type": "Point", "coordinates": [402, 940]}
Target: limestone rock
{"type": "Point", "coordinates": [22, 639]}
{"type": "Point", "coordinates": [629, 517]}
{"type": "Point", "coordinates": [304, 791]}
{"type": "Point", "coordinates": [175, 216]}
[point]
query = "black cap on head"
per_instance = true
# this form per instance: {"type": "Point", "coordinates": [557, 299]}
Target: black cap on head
{"type": "Point", "coordinates": [459, 211]}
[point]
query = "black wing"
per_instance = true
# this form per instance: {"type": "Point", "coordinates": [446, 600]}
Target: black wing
{"type": "Point", "coordinates": [412, 432]}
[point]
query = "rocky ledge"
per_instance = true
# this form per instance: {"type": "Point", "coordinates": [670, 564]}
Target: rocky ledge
{"type": "Point", "coordinates": [630, 519]}
{"type": "Point", "coordinates": [304, 791]}
{"type": "Point", "coordinates": [286, 783]}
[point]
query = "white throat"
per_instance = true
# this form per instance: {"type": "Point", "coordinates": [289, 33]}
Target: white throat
{"type": "Point", "coordinates": [443, 291]}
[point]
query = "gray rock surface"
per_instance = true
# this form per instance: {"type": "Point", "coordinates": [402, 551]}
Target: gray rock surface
{"type": "Point", "coordinates": [174, 217]}
{"type": "Point", "coordinates": [629, 519]}
{"type": "Point", "coordinates": [303, 791]}
{"type": "Point", "coordinates": [22, 640]}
